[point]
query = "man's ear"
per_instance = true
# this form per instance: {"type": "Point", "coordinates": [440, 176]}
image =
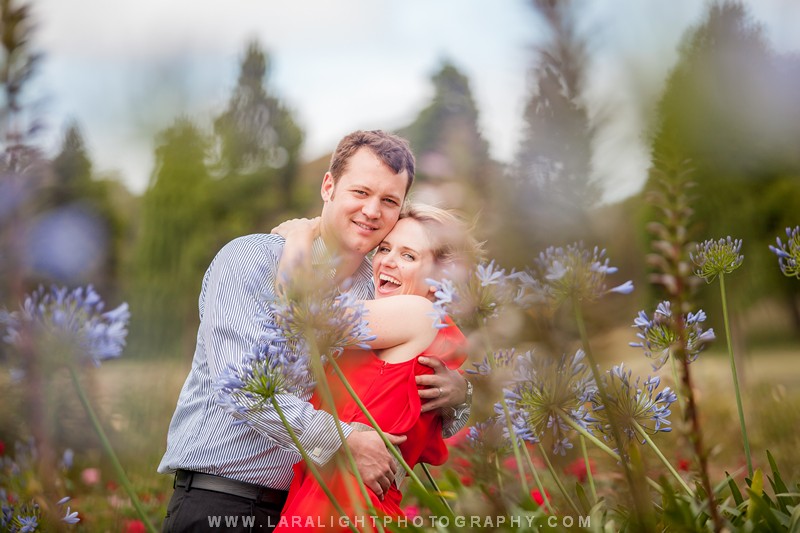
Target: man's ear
{"type": "Point", "coordinates": [326, 191]}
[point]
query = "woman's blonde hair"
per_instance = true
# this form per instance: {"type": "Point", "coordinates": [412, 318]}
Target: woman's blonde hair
{"type": "Point", "coordinates": [450, 234]}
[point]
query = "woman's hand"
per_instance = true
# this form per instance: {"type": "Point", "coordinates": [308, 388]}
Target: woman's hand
{"type": "Point", "coordinates": [298, 228]}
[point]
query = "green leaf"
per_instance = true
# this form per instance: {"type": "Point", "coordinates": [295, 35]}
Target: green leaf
{"type": "Point", "coordinates": [794, 524]}
{"type": "Point", "coordinates": [584, 501]}
{"type": "Point", "coordinates": [755, 490]}
{"type": "Point", "coordinates": [737, 496]}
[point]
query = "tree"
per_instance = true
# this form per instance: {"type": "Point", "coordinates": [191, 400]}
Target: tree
{"type": "Point", "coordinates": [550, 184]}
{"type": "Point", "coordinates": [176, 242]}
{"type": "Point", "coordinates": [447, 141]}
{"type": "Point", "coordinates": [731, 106]}
{"type": "Point", "coordinates": [258, 144]}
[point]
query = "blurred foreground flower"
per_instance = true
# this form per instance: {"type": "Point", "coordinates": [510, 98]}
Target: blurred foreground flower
{"type": "Point", "coordinates": [314, 318]}
{"type": "Point", "coordinates": [473, 299]}
{"type": "Point", "coordinates": [659, 336]}
{"type": "Point", "coordinates": [271, 368]}
{"type": "Point", "coordinates": [73, 317]}
{"type": "Point", "coordinates": [789, 253]}
{"type": "Point", "coordinates": [572, 273]}
{"type": "Point", "coordinates": [713, 258]}
{"type": "Point", "coordinates": [544, 391]}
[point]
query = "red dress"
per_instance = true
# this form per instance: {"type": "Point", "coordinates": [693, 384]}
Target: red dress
{"type": "Point", "coordinates": [390, 393]}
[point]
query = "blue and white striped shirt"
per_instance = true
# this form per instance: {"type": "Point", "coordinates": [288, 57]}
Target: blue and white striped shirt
{"type": "Point", "coordinates": [202, 435]}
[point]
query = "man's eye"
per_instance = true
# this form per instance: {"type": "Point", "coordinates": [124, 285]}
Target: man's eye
{"type": "Point", "coordinates": [382, 249]}
{"type": "Point", "coordinates": [390, 201]}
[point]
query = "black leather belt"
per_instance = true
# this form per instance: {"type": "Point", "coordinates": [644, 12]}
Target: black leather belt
{"type": "Point", "coordinates": [188, 480]}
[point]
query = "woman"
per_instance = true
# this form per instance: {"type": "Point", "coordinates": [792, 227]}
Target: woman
{"type": "Point", "coordinates": [425, 242]}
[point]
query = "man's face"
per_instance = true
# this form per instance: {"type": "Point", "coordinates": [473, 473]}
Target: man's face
{"type": "Point", "coordinates": [363, 206]}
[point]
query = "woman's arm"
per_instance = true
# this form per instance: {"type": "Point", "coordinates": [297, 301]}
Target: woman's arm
{"type": "Point", "coordinates": [402, 319]}
{"type": "Point", "coordinates": [299, 234]}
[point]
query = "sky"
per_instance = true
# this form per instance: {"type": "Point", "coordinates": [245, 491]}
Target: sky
{"type": "Point", "coordinates": [126, 70]}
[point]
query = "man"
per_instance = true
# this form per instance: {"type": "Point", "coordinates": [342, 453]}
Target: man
{"type": "Point", "coordinates": [231, 470]}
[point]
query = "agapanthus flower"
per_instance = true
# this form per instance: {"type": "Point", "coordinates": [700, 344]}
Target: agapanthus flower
{"type": "Point", "coordinates": [632, 404]}
{"type": "Point", "coordinates": [499, 359]}
{"type": "Point", "coordinates": [489, 436]}
{"type": "Point", "coordinates": [789, 254]}
{"type": "Point", "coordinates": [659, 336]}
{"type": "Point", "coordinates": [473, 299]}
{"type": "Point", "coordinates": [543, 391]}
{"type": "Point", "coordinates": [713, 258]}
{"type": "Point", "coordinates": [269, 369]}
{"type": "Point", "coordinates": [311, 313]}
{"type": "Point", "coordinates": [75, 317]}
{"type": "Point", "coordinates": [573, 271]}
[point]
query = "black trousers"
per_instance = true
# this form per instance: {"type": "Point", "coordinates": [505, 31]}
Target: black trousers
{"type": "Point", "coordinates": [204, 510]}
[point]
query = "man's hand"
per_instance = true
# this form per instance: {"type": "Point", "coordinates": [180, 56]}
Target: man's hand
{"type": "Point", "coordinates": [373, 460]}
{"type": "Point", "coordinates": [446, 388]}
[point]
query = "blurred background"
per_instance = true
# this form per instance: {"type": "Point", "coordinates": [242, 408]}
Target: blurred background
{"type": "Point", "coordinates": [138, 138]}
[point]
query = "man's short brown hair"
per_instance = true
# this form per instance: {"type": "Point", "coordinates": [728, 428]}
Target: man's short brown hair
{"type": "Point", "coordinates": [392, 150]}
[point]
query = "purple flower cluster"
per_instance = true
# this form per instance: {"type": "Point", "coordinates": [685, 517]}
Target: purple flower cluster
{"type": "Point", "coordinates": [713, 258]}
{"type": "Point", "coordinates": [316, 320]}
{"type": "Point", "coordinates": [544, 391]}
{"type": "Point", "coordinates": [571, 272]}
{"type": "Point", "coordinates": [472, 300]}
{"type": "Point", "coordinates": [789, 253]}
{"type": "Point", "coordinates": [633, 405]}
{"type": "Point", "coordinates": [269, 369]}
{"type": "Point", "coordinates": [659, 335]}
{"type": "Point", "coordinates": [70, 317]}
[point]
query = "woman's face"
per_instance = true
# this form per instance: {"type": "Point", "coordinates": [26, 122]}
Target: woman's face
{"type": "Point", "coordinates": [403, 261]}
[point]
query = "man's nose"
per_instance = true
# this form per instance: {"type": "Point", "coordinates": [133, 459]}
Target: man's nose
{"type": "Point", "coordinates": [371, 208]}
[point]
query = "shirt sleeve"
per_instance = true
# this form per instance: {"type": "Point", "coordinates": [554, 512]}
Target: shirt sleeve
{"type": "Point", "coordinates": [454, 419]}
{"type": "Point", "coordinates": [239, 284]}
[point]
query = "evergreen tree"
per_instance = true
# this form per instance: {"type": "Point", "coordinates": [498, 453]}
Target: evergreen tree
{"type": "Point", "coordinates": [175, 244]}
{"type": "Point", "coordinates": [731, 106]}
{"type": "Point", "coordinates": [447, 141]}
{"type": "Point", "coordinates": [258, 145]}
{"type": "Point", "coordinates": [551, 186]}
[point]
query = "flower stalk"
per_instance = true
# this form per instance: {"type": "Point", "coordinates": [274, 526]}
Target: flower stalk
{"type": "Point", "coordinates": [109, 449]}
{"type": "Point", "coordinates": [311, 466]}
{"type": "Point", "coordinates": [735, 375]}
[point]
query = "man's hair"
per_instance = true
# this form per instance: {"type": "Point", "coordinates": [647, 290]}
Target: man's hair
{"type": "Point", "coordinates": [392, 150]}
{"type": "Point", "coordinates": [451, 236]}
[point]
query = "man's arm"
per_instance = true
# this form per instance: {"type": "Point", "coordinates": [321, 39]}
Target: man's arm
{"type": "Point", "coordinates": [447, 391]}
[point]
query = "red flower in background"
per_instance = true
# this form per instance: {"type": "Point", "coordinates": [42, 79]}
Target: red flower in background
{"type": "Point", "coordinates": [577, 468]}
{"type": "Point", "coordinates": [2, 448]}
{"type": "Point", "coordinates": [134, 526]}
{"type": "Point", "coordinates": [684, 465]}
{"type": "Point", "coordinates": [537, 496]}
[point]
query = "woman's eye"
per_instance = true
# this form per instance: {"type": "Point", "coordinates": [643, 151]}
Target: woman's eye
{"type": "Point", "coordinates": [409, 257]}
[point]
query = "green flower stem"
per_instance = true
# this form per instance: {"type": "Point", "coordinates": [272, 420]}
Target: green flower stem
{"type": "Point", "coordinates": [539, 485]}
{"type": "Point", "coordinates": [327, 397]}
{"type": "Point", "coordinates": [512, 436]}
{"type": "Point", "coordinates": [311, 466]}
{"type": "Point", "coordinates": [497, 471]}
{"type": "Point", "coordinates": [646, 437]}
{"type": "Point", "coordinates": [121, 476]}
{"type": "Point", "coordinates": [676, 379]}
{"type": "Point", "coordinates": [557, 479]}
{"type": "Point", "coordinates": [632, 476]}
{"type": "Point", "coordinates": [735, 375]}
{"type": "Point", "coordinates": [589, 475]}
{"type": "Point", "coordinates": [600, 444]}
